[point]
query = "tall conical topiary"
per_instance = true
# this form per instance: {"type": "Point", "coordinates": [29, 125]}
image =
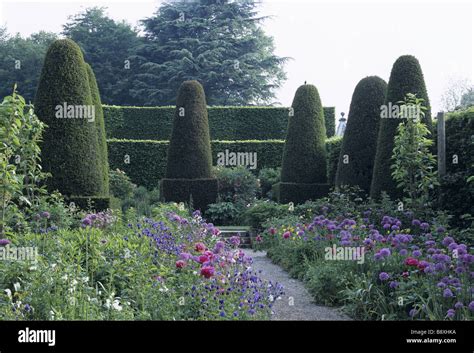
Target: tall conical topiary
{"type": "Point", "coordinates": [70, 149]}
{"type": "Point", "coordinates": [303, 174]}
{"type": "Point", "coordinates": [356, 159]}
{"type": "Point", "coordinates": [100, 124]}
{"type": "Point", "coordinates": [406, 77]}
{"type": "Point", "coordinates": [189, 167]}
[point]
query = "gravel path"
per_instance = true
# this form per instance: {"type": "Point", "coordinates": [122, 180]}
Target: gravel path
{"type": "Point", "coordinates": [303, 307]}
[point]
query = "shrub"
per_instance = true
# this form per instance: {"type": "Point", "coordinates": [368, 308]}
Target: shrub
{"type": "Point", "coordinates": [99, 120]}
{"type": "Point", "coordinates": [237, 185]}
{"type": "Point", "coordinates": [120, 184]}
{"type": "Point", "coordinates": [360, 137]}
{"type": "Point", "coordinates": [268, 177]}
{"type": "Point", "coordinates": [261, 211]}
{"type": "Point", "coordinates": [333, 149]}
{"type": "Point", "coordinates": [222, 213]}
{"type": "Point", "coordinates": [70, 151]}
{"type": "Point", "coordinates": [406, 77]}
{"type": "Point", "coordinates": [303, 173]}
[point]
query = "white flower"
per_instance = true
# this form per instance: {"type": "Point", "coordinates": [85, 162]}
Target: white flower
{"type": "Point", "coordinates": [16, 286]}
{"type": "Point", "coordinates": [271, 298]}
{"type": "Point", "coordinates": [163, 289]}
{"type": "Point", "coordinates": [9, 293]}
{"type": "Point", "coordinates": [108, 303]}
{"type": "Point", "coordinates": [73, 283]}
{"type": "Point", "coordinates": [127, 254]}
{"type": "Point", "coordinates": [33, 268]}
{"type": "Point", "coordinates": [116, 305]}
{"type": "Point", "coordinates": [64, 278]}
{"type": "Point", "coordinates": [51, 314]}
{"type": "Point", "coordinates": [85, 279]}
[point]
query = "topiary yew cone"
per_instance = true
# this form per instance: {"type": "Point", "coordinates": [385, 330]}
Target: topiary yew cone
{"type": "Point", "coordinates": [356, 159]}
{"type": "Point", "coordinates": [189, 152]}
{"type": "Point", "coordinates": [406, 77]}
{"type": "Point", "coordinates": [189, 168]}
{"type": "Point", "coordinates": [70, 151]}
{"type": "Point", "coordinates": [303, 174]}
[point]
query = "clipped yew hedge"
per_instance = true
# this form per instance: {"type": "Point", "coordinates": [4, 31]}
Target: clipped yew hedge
{"type": "Point", "coordinates": [225, 123]}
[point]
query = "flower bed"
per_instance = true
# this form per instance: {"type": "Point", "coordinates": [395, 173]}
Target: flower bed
{"type": "Point", "coordinates": [172, 269]}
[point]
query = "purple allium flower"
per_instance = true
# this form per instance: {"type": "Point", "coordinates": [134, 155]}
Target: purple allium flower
{"type": "Point", "coordinates": [441, 229]}
{"type": "Point", "coordinates": [235, 240]}
{"type": "Point", "coordinates": [412, 313]}
{"type": "Point", "coordinates": [424, 226]}
{"type": "Point", "coordinates": [385, 252]}
{"type": "Point", "coordinates": [447, 293]}
{"type": "Point", "coordinates": [459, 305]}
{"type": "Point", "coordinates": [417, 253]}
{"type": "Point", "coordinates": [448, 240]}
{"type": "Point", "coordinates": [415, 222]}
{"type": "Point", "coordinates": [403, 252]}
{"type": "Point", "coordinates": [377, 256]}
{"type": "Point", "coordinates": [395, 227]}
{"type": "Point", "coordinates": [451, 313]}
{"type": "Point", "coordinates": [383, 276]}
{"type": "Point", "coordinates": [4, 242]}
{"type": "Point", "coordinates": [45, 214]}
{"type": "Point", "coordinates": [92, 217]}
{"type": "Point", "coordinates": [393, 284]}
{"type": "Point", "coordinates": [86, 222]}
{"type": "Point", "coordinates": [441, 285]}
{"type": "Point", "coordinates": [386, 226]}
{"type": "Point", "coordinates": [471, 306]}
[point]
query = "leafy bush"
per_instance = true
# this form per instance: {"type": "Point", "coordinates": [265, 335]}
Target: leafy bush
{"type": "Point", "coordinates": [268, 177]}
{"type": "Point", "coordinates": [360, 137]}
{"type": "Point", "coordinates": [262, 211]}
{"type": "Point", "coordinates": [223, 213]}
{"type": "Point", "coordinates": [237, 185]}
{"type": "Point", "coordinates": [406, 77]}
{"type": "Point", "coordinates": [120, 184]}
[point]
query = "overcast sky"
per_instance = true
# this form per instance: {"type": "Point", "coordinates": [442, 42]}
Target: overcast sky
{"type": "Point", "coordinates": [333, 43]}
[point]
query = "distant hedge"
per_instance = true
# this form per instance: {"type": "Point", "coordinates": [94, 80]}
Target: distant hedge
{"type": "Point", "coordinates": [333, 149]}
{"type": "Point", "coordinates": [225, 123]}
{"type": "Point", "coordinates": [147, 158]}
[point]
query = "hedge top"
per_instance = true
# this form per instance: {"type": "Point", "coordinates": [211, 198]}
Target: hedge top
{"type": "Point", "coordinates": [189, 153]}
{"type": "Point", "coordinates": [70, 147]}
{"type": "Point", "coordinates": [304, 156]}
{"type": "Point", "coordinates": [359, 144]}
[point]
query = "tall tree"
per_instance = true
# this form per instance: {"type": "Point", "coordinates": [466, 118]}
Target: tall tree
{"type": "Point", "coordinates": [108, 47]}
{"type": "Point", "coordinates": [21, 60]}
{"type": "Point", "coordinates": [218, 42]}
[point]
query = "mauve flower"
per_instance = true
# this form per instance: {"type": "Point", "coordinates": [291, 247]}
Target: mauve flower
{"type": "Point", "coordinates": [417, 253]}
{"type": "Point", "coordinates": [45, 214]}
{"type": "Point", "coordinates": [451, 313]}
{"type": "Point", "coordinates": [207, 271]}
{"type": "Point", "coordinates": [272, 231]}
{"type": "Point", "coordinates": [383, 276]}
{"type": "Point", "coordinates": [403, 252]}
{"type": "Point", "coordinates": [441, 230]}
{"type": "Point", "coordinates": [235, 240]}
{"type": "Point", "coordinates": [4, 242]}
{"type": "Point", "coordinates": [446, 241]}
{"type": "Point", "coordinates": [410, 261]}
{"type": "Point", "coordinates": [180, 264]}
{"type": "Point", "coordinates": [415, 222]}
{"type": "Point", "coordinates": [185, 256]}
{"type": "Point", "coordinates": [258, 238]}
{"type": "Point", "coordinates": [424, 226]}
{"type": "Point", "coordinates": [471, 306]}
{"type": "Point", "coordinates": [459, 305]}
{"type": "Point", "coordinates": [385, 252]}
{"type": "Point", "coordinates": [200, 247]}
{"type": "Point", "coordinates": [286, 235]}
{"type": "Point", "coordinates": [203, 259]}
{"type": "Point", "coordinates": [86, 222]}
{"type": "Point", "coordinates": [393, 284]}
{"type": "Point", "coordinates": [447, 293]}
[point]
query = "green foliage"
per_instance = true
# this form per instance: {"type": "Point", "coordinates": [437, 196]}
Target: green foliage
{"type": "Point", "coordinates": [21, 60]}
{"type": "Point", "coordinates": [261, 211]}
{"type": "Point", "coordinates": [189, 151]}
{"type": "Point", "coordinates": [304, 156]}
{"type": "Point", "coordinates": [120, 184]}
{"type": "Point", "coordinates": [237, 185]}
{"type": "Point", "coordinates": [219, 43]}
{"type": "Point", "coordinates": [414, 166]}
{"type": "Point", "coordinates": [107, 45]}
{"type": "Point", "coordinates": [406, 77]}
{"type": "Point", "coordinates": [70, 151]}
{"type": "Point", "coordinates": [196, 193]}
{"type": "Point", "coordinates": [142, 201]}
{"type": "Point", "coordinates": [225, 123]}
{"type": "Point", "coordinates": [268, 177]}
{"type": "Point", "coordinates": [330, 121]}
{"type": "Point", "coordinates": [99, 120]}
{"type": "Point", "coordinates": [325, 281]}
{"type": "Point", "coordinates": [333, 150]}
{"type": "Point", "coordinates": [456, 194]}
{"type": "Point", "coordinates": [223, 213]}
{"type": "Point", "coordinates": [360, 137]}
